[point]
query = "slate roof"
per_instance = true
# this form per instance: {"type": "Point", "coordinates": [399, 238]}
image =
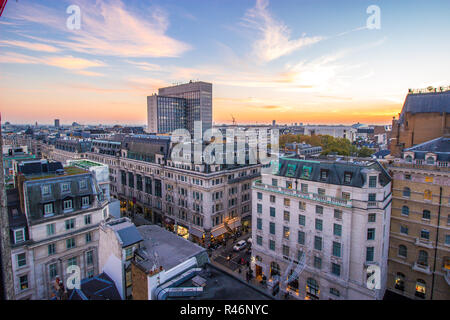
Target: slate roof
{"type": "Point", "coordinates": [381, 154]}
{"type": "Point", "coordinates": [100, 287]}
{"type": "Point", "coordinates": [336, 171]}
{"type": "Point", "coordinates": [426, 103]}
{"type": "Point", "coordinates": [440, 146]}
{"type": "Point", "coordinates": [129, 235]}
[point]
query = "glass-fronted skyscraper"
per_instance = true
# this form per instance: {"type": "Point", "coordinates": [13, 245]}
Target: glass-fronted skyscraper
{"type": "Point", "coordinates": [179, 107]}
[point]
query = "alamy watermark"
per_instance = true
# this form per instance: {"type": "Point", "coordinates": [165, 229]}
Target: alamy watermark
{"type": "Point", "coordinates": [374, 20]}
{"type": "Point", "coordinates": [373, 277]}
{"type": "Point", "coordinates": [73, 22]}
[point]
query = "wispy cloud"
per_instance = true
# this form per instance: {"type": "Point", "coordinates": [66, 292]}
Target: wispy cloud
{"type": "Point", "coordinates": [29, 45]}
{"type": "Point", "coordinates": [275, 40]}
{"type": "Point", "coordinates": [108, 28]}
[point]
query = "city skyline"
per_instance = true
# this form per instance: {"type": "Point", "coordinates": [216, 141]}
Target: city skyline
{"type": "Point", "coordinates": [290, 61]}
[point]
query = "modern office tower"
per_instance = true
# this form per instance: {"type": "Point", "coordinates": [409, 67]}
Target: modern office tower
{"type": "Point", "coordinates": [179, 107]}
{"type": "Point", "coordinates": [56, 123]}
{"type": "Point", "coordinates": [320, 226]}
{"type": "Point", "coordinates": [54, 216]}
{"type": "Point", "coordinates": [419, 253]}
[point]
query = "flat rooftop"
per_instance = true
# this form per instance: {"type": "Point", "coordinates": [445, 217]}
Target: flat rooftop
{"type": "Point", "coordinates": [223, 286]}
{"type": "Point", "coordinates": [170, 248]}
{"type": "Point", "coordinates": [68, 171]}
{"type": "Point", "coordinates": [86, 164]}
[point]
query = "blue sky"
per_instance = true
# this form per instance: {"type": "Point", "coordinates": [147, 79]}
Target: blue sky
{"type": "Point", "coordinates": [289, 60]}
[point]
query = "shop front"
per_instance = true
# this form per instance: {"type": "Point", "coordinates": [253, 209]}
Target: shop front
{"type": "Point", "coordinates": [246, 223]}
{"type": "Point", "coordinates": [169, 224]}
{"type": "Point", "coordinates": [182, 231]}
{"type": "Point", "coordinates": [197, 236]}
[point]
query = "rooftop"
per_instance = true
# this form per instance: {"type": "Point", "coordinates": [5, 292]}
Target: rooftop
{"type": "Point", "coordinates": [171, 250]}
{"type": "Point", "coordinates": [100, 287]}
{"type": "Point", "coordinates": [86, 164]}
{"type": "Point", "coordinates": [223, 286]}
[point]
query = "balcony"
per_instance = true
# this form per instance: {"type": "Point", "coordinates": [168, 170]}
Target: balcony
{"type": "Point", "coordinates": [424, 243]}
{"type": "Point", "coordinates": [309, 196]}
{"type": "Point", "coordinates": [421, 268]}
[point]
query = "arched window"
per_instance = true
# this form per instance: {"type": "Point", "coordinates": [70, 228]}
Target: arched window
{"type": "Point", "coordinates": [400, 281]}
{"type": "Point", "coordinates": [406, 192]}
{"type": "Point", "coordinates": [420, 288]}
{"type": "Point", "coordinates": [274, 269]}
{"type": "Point", "coordinates": [423, 258]}
{"type": "Point", "coordinates": [426, 214]}
{"type": "Point", "coordinates": [428, 195]}
{"type": "Point", "coordinates": [405, 210]}
{"type": "Point", "coordinates": [430, 160]}
{"type": "Point", "coordinates": [408, 158]}
{"type": "Point", "coordinates": [312, 289]}
{"type": "Point", "coordinates": [402, 251]}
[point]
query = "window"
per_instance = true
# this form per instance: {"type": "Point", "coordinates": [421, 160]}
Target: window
{"type": "Point", "coordinates": [447, 239]}
{"type": "Point", "coordinates": [369, 254]}
{"type": "Point", "coordinates": [407, 177]}
{"type": "Point", "coordinates": [50, 229]}
{"type": "Point", "coordinates": [288, 185]}
{"type": "Point", "coordinates": [335, 292]}
{"type": "Point", "coordinates": [285, 251]}
{"type": "Point", "coordinates": [428, 195]}
{"type": "Point", "coordinates": [405, 211]}
{"type": "Point", "coordinates": [272, 228]}
{"type": "Point", "coordinates": [301, 237]}
{"type": "Point", "coordinates": [319, 209]}
{"type": "Point", "coordinates": [423, 258]}
{"type": "Point", "coordinates": [65, 187]}
{"type": "Point", "coordinates": [323, 175]}
{"type": "Point", "coordinates": [337, 214]}
{"type": "Point", "coordinates": [68, 204]}
{"type": "Point", "coordinates": [404, 229]}
{"type": "Point", "coordinates": [426, 214]}
{"type": "Point", "coordinates": [402, 251]}
{"type": "Point", "coordinates": [53, 271]}
{"type": "Point", "coordinates": [286, 233]}
{"type": "Point", "coordinates": [51, 249]}
{"type": "Point", "coordinates": [21, 260]}
{"type": "Point", "coordinates": [48, 209]}
{"type": "Point", "coordinates": [87, 219]}
{"type": "Point", "coordinates": [85, 201]}
{"type": "Point", "coordinates": [372, 181]}
{"type": "Point", "coordinates": [128, 253]}
{"type": "Point", "coordinates": [425, 234]}
{"type": "Point", "coordinates": [319, 224]}
{"type": "Point", "coordinates": [275, 182]}
{"type": "Point", "coordinates": [347, 177]}
{"type": "Point", "coordinates": [371, 234]}
{"type": "Point", "coordinates": [320, 191]}
{"type": "Point", "coordinates": [83, 184]}
{"type": "Point", "coordinates": [46, 190]}
{"type": "Point", "coordinates": [406, 192]}
{"type": "Point", "coordinates": [345, 195]}
{"type": "Point", "coordinates": [336, 249]}
{"type": "Point", "coordinates": [88, 237]}
{"type": "Point", "coordinates": [259, 194]}
{"type": "Point", "coordinates": [287, 202]}
{"type": "Point", "coordinates": [372, 197]}
{"type": "Point", "coordinates": [317, 262]}
{"type": "Point", "coordinates": [259, 223]}
{"type": "Point", "coordinates": [318, 243]}
{"type": "Point", "coordinates": [259, 240]}
{"type": "Point", "coordinates": [420, 288]}
{"type": "Point", "coordinates": [70, 224]}
{"type": "Point", "coordinates": [372, 217]}
{"type": "Point", "coordinates": [72, 262]}
{"type": "Point", "coordinates": [286, 216]}
{"type": "Point", "coordinates": [312, 289]}
{"type": "Point", "coordinates": [337, 229]}
{"type": "Point", "coordinates": [23, 282]}
{"type": "Point", "coordinates": [301, 219]}
{"type": "Point", "coordinates": [90, 258]}
{"type": "Point", "coordinates": [302, 205]}
{"type": "Point", "coordinates": [90, 274]}
{"type": "Point", "coordinates": [272, 199]}
{"type": "Point", "coordinates": [70, 243]}
{"type": "Point", "coordinates": [272, 212]}
{"type": "Point", "coordinates": [19, 235]}
{"type": "Point", "coordinates": [399, 283]}
{"type": "Point", "coordinates": [259, 208]}
{"type": "Point", "coordinates": [408, 158]}
{"type": "Point", "coordinates": [272, 245]}
{"type": "Point", "coordinates": [304, 188]}
{"type": "Point", "coordinates": [430, 160]}
{"type": "Point", "coordinates": [336, 269]}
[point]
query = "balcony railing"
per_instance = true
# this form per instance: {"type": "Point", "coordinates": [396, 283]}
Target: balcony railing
{"type": "Point", "coordinates": [309, 196]}
{"type": "Point", "coordinates": [421, 268]}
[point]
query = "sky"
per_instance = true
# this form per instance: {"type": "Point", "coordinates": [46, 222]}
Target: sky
{"type": "Point", "coordinates": [304, 61]}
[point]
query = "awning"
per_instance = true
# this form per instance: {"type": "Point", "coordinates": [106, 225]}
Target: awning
{"type": "Point", "coordinates": [195, 232]}
{"type": "Point", "coordinates": [218, 231]}
{"type": "Point", "coordinates": [169, 221]}
{"type": "Point", "coordinates": [235, 224]}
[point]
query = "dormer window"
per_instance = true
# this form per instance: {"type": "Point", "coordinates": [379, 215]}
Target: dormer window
{"type": "Point", "coordinates": [48, 209]}
{"type": "Point", "coordinates": [408, 158]}
{"type": "Point", "coordinates": [85, 201]}
{"type": "Point", "coordinates": [430, 160]}
{"type": "Point", "coordinates": [83, 184]}
{"type": "Point", "coordinates": [323, 175]}
{"type": "Point", "coordinates": [65, 187]}
{"type": "Point", "coordinates": [68, 204]}
{"type": "Point", "coordinates": [19, 235]}
{"type": "Point", "coordinates": [347, 177]}
{"type": "Point", "coordinates": [46, 190]}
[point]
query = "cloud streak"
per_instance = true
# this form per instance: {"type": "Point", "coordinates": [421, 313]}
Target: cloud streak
{"type": "Point", "coordinates": [275, 40]}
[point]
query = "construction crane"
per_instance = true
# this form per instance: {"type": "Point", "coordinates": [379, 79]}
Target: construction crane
{"type": "Point", "coordinates": [234, 120]}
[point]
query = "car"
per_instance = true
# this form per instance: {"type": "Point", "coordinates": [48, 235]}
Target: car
{"type": "Point", "coordinates": [240, 245]}
{"type": "Point", "coordinates": [249, 240]}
